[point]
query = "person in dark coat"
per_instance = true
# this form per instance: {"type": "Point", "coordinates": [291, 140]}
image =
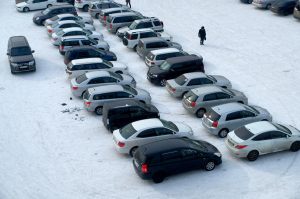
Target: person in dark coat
{"type": "Point", "coordinates": [202, 35]}
{"type": "Point", "coordinates": [128, 2]}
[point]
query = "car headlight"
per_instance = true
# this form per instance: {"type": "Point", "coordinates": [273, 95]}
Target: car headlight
{"type": "Point", "coordinates": [14, 64]}
{"type": "Point", "coordinates": [218, 154]}
{"type": "Point", "coordinates": [191, 133]}
{"type": "Point", "coordinates": [154, 75]}
{"type": "Point", "coordinates": [114, 57]}
{"type": "Point", "coordinates": [37, 18]}
{"type": "Point", "coordinates": [31, 63]}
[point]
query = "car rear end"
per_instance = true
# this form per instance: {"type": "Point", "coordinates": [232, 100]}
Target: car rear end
{"type": "Point", "coordinates": [210, 121]}
{"type": "Point", "coordinates": [141, 164]}
{"type": "Point", "coordinates": [102, 17]}
{"type": "Point", "coordinates": [258, 3]}
{"type": "Point", "coordinates": [109, 23]}
{"type": "Point", "coordinates": [93, 10]}
{"type": "Point", "coordinates": [150, 60]}
{"type": "Point", "coordinates": [130, 40]}
{"type": "Point", "coordinates": [76, 85]}
{"type": "Point", "coordinates": [105, 119]}
{"type": "Point", "coordinates": [88, 102]}
{"type": "Point", "coordinates": [79, 4]}
{"type": "Point", "coordinates": [69, 56]}
{"type": "Point", "coordinates": [279, 7]}
{"type": "Point", "coordinates": [189, 102]}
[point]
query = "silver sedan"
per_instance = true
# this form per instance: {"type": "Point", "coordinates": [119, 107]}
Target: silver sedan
{"type": "Point", "coordinates": [63, 17]}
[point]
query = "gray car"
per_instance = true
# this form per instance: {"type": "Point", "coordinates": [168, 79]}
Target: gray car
{"type": "Point", "coordinates": [219, 120]}
{"type": "Point", "coordinates": [103, 15]}
{"type": "Point", "coordinates": [154, 43]}
{"type": "Point", "coordinates": [198, 100]}
{"type": "Point", "coordinates": [99, 78]}
{"type": "Point", "coordinates": [119, 20]}
{"type": "Point", "coordinates": [96, 7]}
{"type": "Point", "coordinates": [95, 97]}
{"type": "Point", "coordinates": [264, 3]}
{"type": "Point", "coordinates": [63, 17]}
{"type": "Point", "coordinates": [181, 85]}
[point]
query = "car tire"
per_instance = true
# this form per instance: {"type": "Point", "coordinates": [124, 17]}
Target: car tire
{"type": "Point", "coordinates": [183, 94]}
{"type": "Point", "coordinates": [210, 165]}
{"type": "Point", "coordinates": [99, 110]}
{"type": "Point", "coordinates": [134, 48]}
{"type": "Point", "coordinates": [223, 133]}
{"type": "Point", "coordinates": [295, 146]}
{"type": "Point", "coordinates": [268, 6]}
{"type": "Point", "coordinates": [286, 13]}
{"type": "Point", "coordinates": [97, 16]}
{"type": "Point", "coordinates": [49, 5]}
{"type": "Point", "coordinates": [200, 113]}
{"type": "Point", "coordinates": [26, 9]}
{"type": "Point", "coordinates": [158, 177]}
{"type": "Point", "coordinates": [85, 8]}
{"type": "Point", "coordinates": [117, 30]}
{"type": "Point", "coordinates": [132, 151]}
{"type": "Point", "coordinates": [250, 1]}
{"type": "Point", "coordinates": [119, 72]}
{"type": "Point", "coordinates": [162, 82]}
{"type": "Point", "coordinates": [252, 155]}
{"type": "Point", "coordinates": [113, 128]}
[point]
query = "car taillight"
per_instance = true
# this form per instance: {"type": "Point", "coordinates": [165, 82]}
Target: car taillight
{"type": "Point", "coordinates": [75, 88]}
{"type": "Point", "coordinates": [110, 25]}
{"type": "Point", "coordinates": [203, 66]}
{"type": "Point", "coordinates": [144, 168]}
{"type": "Point", "coordinates": [79, 1]}
{"type": "Point", "coordinates": [75, 12]}
{"type": "Point", "coordinates": [62, 47]}
{"type": "Point", "coordinates": [193, 104]}
{"type": "Point", "coordinates": [70, 73]}
{"type": "Point", "coordinates": [121, 144]}
{"type": "Point", "coordinates": [49, 31]}
{"type": "Point", "coordinates": [160, 23]}
{"type": "Point", "coordinates": [152, 63]}
{"type": "Point", "coordinates": [214, 124]}
{"type": "Point", "coordinates": [241, 146]}
{"type": "Point", "coordinates": [173, 89]}
{"type": "Point", "coordinates": [68, 60]}
{"type": "Point", "coordinates": [104, 18]}
{"type": "Point", "coordinates": [91, 10]}
{"type": "Point", "coordinates": [260, 2]}
{"type": "Point", "coordinates": [278, 8]}
{"type": "Point", "coordinates": [55, 39]}
{"type": "Point", "coordinates": [88, 103]}
{"type": "Point", "coordinates": [130, 37]}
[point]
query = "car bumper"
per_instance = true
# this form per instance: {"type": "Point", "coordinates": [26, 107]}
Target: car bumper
{"type": "Point", "coordinates": [55, 42]}
{"type": "Point", "coordinates": [296, 16]}
{"type": "Point", "coordinates": [19, 9]}
{"type": "Point", "coordinates": [173, 94]}
{"type": "Point", "coordinates": [212, 130]}
{"type": "Point", "coordinates": [237, 152]}
{"type": "Point", "coordinates": [37, 22]}
{"type": "Point", "coordinates": [62, 52]}
{"type": "Point", "coordinates": [189, 109]}
{"type": "Point", "coordinates": [120, 35]}
{"type": "Point", "coordinates": [119, 149]}
{"type": "Point", "coordinates": [144, 176]}
{"type": "Point", "coordinates": [25, 69]}
{"type": "Point", "coordinates": [258, 5]}
{"type": "Point", "coordinates": [153, 80]}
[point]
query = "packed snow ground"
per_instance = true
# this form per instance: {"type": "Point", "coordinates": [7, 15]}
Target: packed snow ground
{"type": "Point", "coordinates": [46, 152]}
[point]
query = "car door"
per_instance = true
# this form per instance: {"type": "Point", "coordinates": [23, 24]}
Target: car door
{"type": "Point", "coordinates": [98, 81]}
{"type": "Point", "coordinates": [210, 100]}
{"type": "Point", "coordinates": [122, 117]}
{"type": "Point", "coordinates": [263, 142]}
{"type": "Point", "coordinates": [223, 98]}
{"type": "Point", "coordinates": [92, 53]}
{"type": "Point", "coordinates": [89, 67]}
{"type": "Point", "coordinates": [112, 5]}
{"type": "Point", "coordinates": [175, 71]}
{"type": "Point", "coordinates": [137, 113]}
{"type": "Point", "coordinates": [109, 80]}
{"type": "Point", "coordinates": [35, 5]}
{"type": "Point", "coordinates": [281, 141]}
{"type": "Point", "coordinates": [191, 159]}
{"type": "Point", "coordinates": [194, 83]}
{"type": "Point", "coordinates": [146, 136]}
{"type": "Point", "coordinates": [233, 120]}
{"type": "Point", "coordinates": [171, 162]}
{"type": "Point", "coordinates": [248, 117]}
{"type": "Point", "coordinates": [164, 133]}
{"type": "Point", "coordinates": [206, 81]}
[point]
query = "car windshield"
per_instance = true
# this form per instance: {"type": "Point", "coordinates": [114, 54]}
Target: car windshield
{"type": "Point", "coordinates": [130, 90]}
{"type": "Point", "coordinates": [103, 53]}
{"type": "Point", "coordinates": [133, 25]}
{"type": "Point", "coordinates": [107, 63]}
{"type": "Point", "coordinates": [88, 32]}
{"type": "Point", "coordinates": [165, 66]}
{"type": "Point", "coordinates": [196, 144]}
{"type": "Point", "coordinates": [81, 24]}
{"type": "Point", "coordinates": [212, 78]}
{"type": "Point", "coordinates": [212, 115]}
{"type": "Point", "coordinates": [143, 105]}
{"type": "Point", "coordinates": [116, 75]}
{"type": "Point", "coordinates": [250, 108]}
{"type": "Point", "coordinates": [227, 91]}
{"type": "Point", "coordinates": [92, 40]}
{"type": "Point", "coordinates": [79, 17]}
{"type": "Point", "coordinates": [243, 133]}
{"type": "Point", "coordinates": [54, 18]}
{"type": "Point", "coordinates": [127, 131]}
{"type": "Point", "coordinates": [282, 128]}
{"type": "Point", "coordinates": [46, 11]}
{"type": "Point", "coordinates": [181, 80]}
{"type": "Point", "coordinates": [54, 25]}
{"type": "Point", "coordinates": [169, 125]}
{"type": "Point", "coordinates": [191, 96]}
{"type": "Point", "coordinates": [20, 51]}
{"type": "Point", "coordinates": [61, 32]}
{"type": "Point", "coordinates": [81, 79]}
{"type": "Point", "coordinates": [184, 53]}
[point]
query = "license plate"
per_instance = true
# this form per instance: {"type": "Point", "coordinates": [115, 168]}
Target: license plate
{"type": "Point", "coordinates": [206, 121]}
{"type": "Point", "coordinates": [136, 164]}
{"type": "Point", "coordinates": [23, 66]}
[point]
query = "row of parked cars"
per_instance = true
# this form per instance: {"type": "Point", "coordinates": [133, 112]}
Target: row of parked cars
{"type": "Point", "coordinates": [108, 90]}
{"type": "Point", "coordinates": [283, 7]}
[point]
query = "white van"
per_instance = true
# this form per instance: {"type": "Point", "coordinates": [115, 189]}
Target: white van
{"type": "Point", "coordinates": [38, 4]}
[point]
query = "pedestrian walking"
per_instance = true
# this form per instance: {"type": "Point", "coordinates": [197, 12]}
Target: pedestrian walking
{"type": "Point", "coordinates": [128, 2]}
{"type": "Point", "coordinates": [202, 35]}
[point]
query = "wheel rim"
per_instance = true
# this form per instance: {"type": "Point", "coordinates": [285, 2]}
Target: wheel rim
{"type": "Point", "coordinates": [163, 82]}
{"type": "Point", "coordinates": [26, 9]}
{"type": "Point", "coordinates": [210, 165]}
{"type": "Point", "coordinates": [99, 111]}
{"type": "Point", "coordinates": [253, 155]}
{"type": "Point", "coordinates": [268, 7]}
{"type": "Point", "coordinates": [200, 113]}
{"type": "Point", "coordinates": [223, 133]}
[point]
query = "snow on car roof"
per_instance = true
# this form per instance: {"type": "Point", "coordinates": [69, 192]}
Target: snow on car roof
{"type": "Point", "coordinates": [146, 124]}
{"type": "Point", "coordinates": [97, 74]}
{"type": "Point", "coordinates": [206, 89]}
{"type": "Point", "coordinates": [86, 61]}
{"type": "Point", "coordinates": [259, 127]}
{"type": "Point", "coordinates": [165, 50]}
{"type": "Point", "coordinates": [66, 21]}
{"type": "Point", "coordinates": [229, 107]}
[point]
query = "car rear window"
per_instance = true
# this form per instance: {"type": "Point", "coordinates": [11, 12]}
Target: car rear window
{"type": "Point", "coordinates": [54, 18]}
{"type": "Point", "coordinates": [81, 79]}
{"type": "Point", "coordinates": [127, 131]}
{"type": "Point", "coordinates": [212, 115]}
{"type": "Point", "coordinates": [139, 156]}
{"type": "Point", "coordinates": [87, 95]}
{"type": "Point", "coordinates": [54, 25]}
{"type": "Point", "coordinates": [181, 80]}
{"type": "Point", "coordinates": [191, 96]}
{"type": "Point", "coordinates": [243, 133]}
{"type": "Point", "coordinates": [150, 56]}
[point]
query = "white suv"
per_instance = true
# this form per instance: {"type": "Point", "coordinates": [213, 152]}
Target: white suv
{"type": "Point", "coordinates": [38, 5]}
{"type": "Point", "coordinates": [83, 4]}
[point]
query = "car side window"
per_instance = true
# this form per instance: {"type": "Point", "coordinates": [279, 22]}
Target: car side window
{"type": "Point", "coordinates": [177, 67]}
{"type": "Point", "coordinates": [160, 57]}
{"type": "Point", "coordinates": [70, 34]}
{"type": "Point", "coordinates": [117, 20]}
{"type": "Point", "coordinates": [89, 66]}
{"type": "Point", "coordinates": [233, 116]}
{"type": "Point", "coordinates": [127, 19]}
{"type": "Point", "coordinates": [178, 54]}
{"type": "Point", "coordinates": [77, 67]}
{"type": "Point", "coordinates": [148, 25]}
{"type": "Point", "coordinates": [70, 10]}
{"type": "Point", "coordinates": [123, 112]}
{"type": "Point", "coordinates": [98, 97]}
{"type": "Point", "coordinates": [147, 133]}
{"type": "Point", "coordinates": [75, 25]}
{"type": "Point", "coordinates": [163, 131]}
{"type": "Point", "coordinates": [246, 114]}
{"type": "Point", "coordinates": [105, 5]}
{"type": "Point", "coordinates": [74, 43]}
{"type": "Point", "coordinates": [122, 95]}
{"type": "Point", "coordinates": [222, 96]}
{"type": "Point", "coordinates": [83, 54]}
{"type": "Point", "coordinates": [54, 12]}
{"type": "Point", "coordinates": [86, 42]}
{"type": "Point", "coordinates": [92, 53]}
{"type": "Point", "coordinates": [65, 26]}
{"type": "Point", "coordinates": [194, 82]}
{"type": "Point", "coordinates": [262, 137]}
{"type": "Point", "coordinates": [134, 36]}
{"type": "Point", "coordinates": [80, 33]}
{"type": "Point", "coordinates": [163, 44]}
{"type": "Point", "coordinates": [152, 45]}
{"type": "Point", "coordinates": [112, 5]}
{"type": "Point", "coordinates": [140, 25]}
{"type": "Point", "coordinates": [152, 34]}
{"type": "Point", "coordinates": [136, 111]}
{"type": "Point", "coordinates": [101, 66]}
{"type": "Point", "coordinates": [63, 10]}
{"type": "Point", "coordinates": [109, 95]}
{"type": "Point", "coordinates": [277, 135]}
{"type": "Point", "coordinates": [205, 81]}
{"type": "Point", "coordinates": [109, 79]}
{"type": "Point", "coordinates": [98, 80]}
{"type": "Point", "coordinates": [188, 153]}
{"type": "Point", "coordinates": [156, 23]}
{"type": "Point", "coordinates": [210, 97]}
{"type": "Point", "coordinates": [143, 35]}
{"type": "Point", "coordinates": [174, 155]}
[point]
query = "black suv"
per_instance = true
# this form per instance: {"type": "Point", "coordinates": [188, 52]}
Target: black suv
{"type": "Point", "coordinates": [160, 159]}
{"type": "Point", "coordinates": [174, 67]}
{"type": "Point", "coordinates": [80, 52]}
{"type": "Point", "coordinates": [40, 17]}
{"type": "Point", "coordinates": [120, 113]}
{"type": "Point", "coordinates": [20, 55]}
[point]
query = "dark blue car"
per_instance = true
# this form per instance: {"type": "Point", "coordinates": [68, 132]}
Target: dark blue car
{"type": "Point", "coordinates": [247, 1]}
{"type": "Point", "coordinates": [284, 7]}
{"type": "Point", "coordinates": [80, 52]}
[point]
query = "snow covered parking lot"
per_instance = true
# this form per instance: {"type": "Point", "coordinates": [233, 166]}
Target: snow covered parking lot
{"type": "Point", "coordinates": [52, 151]}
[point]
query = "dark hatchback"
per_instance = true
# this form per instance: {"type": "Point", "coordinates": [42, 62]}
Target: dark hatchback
{"type": "Point", "coordinates": [120, 113]}
{"type": "Point", "coordinates": [80, 52]}
{"type": "Point", "coordinates": [163, 158]}
{"type": "Point", "coordinates": [284, 7]}
{"type": "Point", "coordinates": [173, 68]}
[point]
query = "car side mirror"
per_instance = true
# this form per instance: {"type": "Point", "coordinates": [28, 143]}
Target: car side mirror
{"type": "Point", "coordinates": [32, 51]}
{"type": "Point", "coordinates": [172, 70]}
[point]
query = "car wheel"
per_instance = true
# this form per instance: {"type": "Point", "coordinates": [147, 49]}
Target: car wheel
{"type": "Point", "coordinates": [162, 82]}
{"type": "Point", "coordinates": [223, 133]}
{"type": "Point", "coordinates": [113, 128]}
{"type": "Point", "coordinates": [26, 9]}
{"type": "Point", "coordinates": [295, 146]}
{"type": "Point", "coordinates": [134, 48]}
{"type": "Point", "coordinates": [200, 113]}
{"type": "Point", "coordinates": [132, 151]}
{"type": "Point", "coordinates": [48, 6]}
{"type": "Point", "coordinates": [252, 155]}
{"type": "Point", "coordinates": [158, 177]}
{"type": "Point", "coordinates": [85, 8]}
{"type": "Point", "coordinates": [97, 16]}
{"type": "Point", "coordinates": [119, 72]}
{"type": "Point", "coordinates": [183, 94]}
{"type": "Point", "coordinates": [250, 1]}
{"type": "Point", "coordinates": [286, 13]}
{"type": "Point", "coordinates": [268, 6]}
{"type": "Point", "coordinates": [210, 165]}
{"type": "Point", "coordinates": [99, 110]}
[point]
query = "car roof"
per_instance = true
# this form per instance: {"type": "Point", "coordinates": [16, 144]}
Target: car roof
{"type": "Point", "coordinates": [121, 103]}
{"type": "Point", "coordinates": [107, 88]}
{"type": "Point", "coordinates": [74, 37]}
{"type": "Point", "coordinates": [180, 59]}
{"type": "Point", "coordinates": [152, 39]}
{"type": "Point", "coordinates": [72, 29]}
{"type": "Point", "coordinates": [86, 61]}
{"type": "Point", "coordinates": [66, 21]}
{"type": "Point", "coordinates": [148, 19]}
{"type": "Point", "coordinates": [165, 50]}
{"type": "Point", "coordinates": [262, 126]}
{"type": "Point", "coordinates": [194, 75]}
{"type": "Point", "coordinates": [113, 9]}
{"type": "Point", "coordinates": [163, 145]}
{"type": "Point", "coordinates": [61, 6]}
{"type": "Point", "coordinates": [18, 41]}
{"type": "Point", "coordinates": [65, 15]}
{"type": "Point", "coordinates": [97, 74]}
{"type": "Point", "coordinates": [102, 1]}
{"type": "Point", "coordinates": [140, 30]}
{"type": "Point", "coordinates": [122, 14]}
{"type": "Point", "coordinates": [80, 48]}
{"type": "Point", "coordinates": [146, 124]}
{"type": "Point", "coordinates": [206, 89]}
{"type": "Point", "coordinates": [229, 107]}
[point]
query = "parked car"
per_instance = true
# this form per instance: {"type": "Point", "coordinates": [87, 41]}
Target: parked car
{"type": "Point", "coordinates": [179, 86]}
{"type": "Point", "coordinates": [174, 67]}
{"type": "Point", "coordinates": [41, 17]}
{"type": "Point", "coordinates": [103, 15]}
{"type": "Point", "coordinates": [94, 98]}
{"type": "Point", "coordinates": [20, 55]}
{"type": "Point", "coordinates": [221, 119]}
{"type": "Point", "coordinates": [264, 3]}
{"type": "Point", "coordinates": [284, 7]}
{"type": "Point", "coordinates": [96, 7]}
{"type": "Point", "coordinates": [157, 57]}
{"type": "Point", "coordinates": [261, 138]}
{"type": "Point", "coordinates": [99, 78]}
{"type": "Point", "coordinates": [297, 11]}
{"type": "Point", "coordinates": [83, 4]}
{"type": "Point", "coordinates": [29, 5]}
{"type": "Point", "coordinates": [133, 135]}
{"type": "Point", "coordinates": [120, 113]}
{"type": "Point", "coordinates": [154, 43]}
{"type": "Point", "coordinates": [198, 100]}
{"type": "Point", "coordinates": [149, 22]}
{"type": "Point", "coordinates": [132, 37]}
{"type": "Point", "coordinates": [160, 159]}
{"type": "Point", "coordinates": [56, 37]}
{"type": "Point", "coordinates": [19, 1]}
{"type": "Point", "coordinates": [64, 17]}
{"type": "Point", "coordinates": [67, 24]}
{"type": "Point", "coordinates": [119, 20]}
{"type": "Point", "coordinates": [247, 1]}
{"type": "Point", "coordinates": [79, 67]}
{"type": "Point", "coordinates": [81, 40]}
{"type": "Point", "coordinates": [81, 52]}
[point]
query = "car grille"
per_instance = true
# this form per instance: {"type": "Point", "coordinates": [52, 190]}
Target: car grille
{"type": "Point", "coordinates": [125, 41]}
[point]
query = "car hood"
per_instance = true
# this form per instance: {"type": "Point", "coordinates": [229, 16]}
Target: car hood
{"type": "Point", "coordinates": [295, 131]}
{"type": "Point", "coordinates": [101, 43]}
{"type": "Point", "coordinates": [142, 92]}
{"type": "Point", "coordinates": [173, 84]}
{"type": "Point", "coordinates": [22, 4]}
{"type": "Point", "coordinates": [127, 78]}
{"type": "Point", "coordinates": [89, 26]}
{"type": "Point", "coordinates": [39, 14]}
{"type": "Point", "coordinates": [123, 30]}
{"type": "Point", "coordinates": [165, 36]}
{"type": "Point", "coordinates": [182, 127]}
{"type": "Point", "coordinates": [176, 45]}
{"type": "Point", "coordinates": [221, 80]}
{"type": "Point", "coordinates": [109, 53]}
{"type": "Point", "coordinates": [209, 147]}
{"type": "Point", "coordinates": [238, 93]}
{"type": "Point", "coordinates": [97, 33]}
{"type": "Point", "coordinates": [153, 108]}
{"type": "Point", "coordinates": [156, 70]}
{"type": "Point", "coordinates": [118, 65]}
{"type": "Point", "coordinates": [23, 58]}
{"type": "Point", "coordinates": [261, 110]}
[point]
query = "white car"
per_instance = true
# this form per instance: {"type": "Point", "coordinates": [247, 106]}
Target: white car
{"type": "Point", "coordinates": [261, 138]}
{"type": "Point", "coordinates": [56, 37]}
{"type": "Point", "coordinates": [63, 17]}
{"type": "Point", "coordinates": [28, 5]}
{"type": "Point", "coordinates": [133, 135]}
{"type": "Point", "coordinates": [67, 24]}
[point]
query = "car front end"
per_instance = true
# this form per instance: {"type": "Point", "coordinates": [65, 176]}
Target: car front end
{"type": "Point", "coordinates": [184, 130]}
{"type": "Point", "coordinates": [121, 32]}
{"type": "Point", "coordinates": [154, 75]}
{"type": "Point", "coordinates": [20, 6]}
{"type": "Point", "coordinates": [259, 3]}
{"type": "Point", "coordinates": [97, 35]}
{"type": "Point", "coordinates": [23, 66]}
{"type": "Point", "coordinates": [38, 18]}
{"type": "Point", "coordinates": [240, 96]}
